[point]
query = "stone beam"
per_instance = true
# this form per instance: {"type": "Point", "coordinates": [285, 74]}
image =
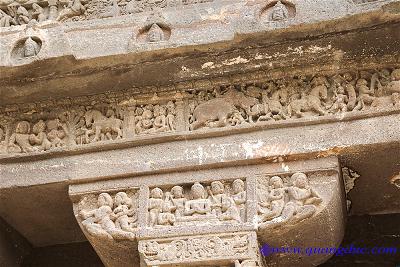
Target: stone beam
{"type": "Point", "coordinates": [216, 217]}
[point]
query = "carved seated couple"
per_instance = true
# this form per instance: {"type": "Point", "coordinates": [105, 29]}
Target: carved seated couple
{"type": "Point", "coordinates": [287, 205]}
{"type": "Point", "coordinates": [176, 209]}
{"type": "Point", "coordinates": [112, 219]}
{"type": "Point", "coordinates": [45, 135]}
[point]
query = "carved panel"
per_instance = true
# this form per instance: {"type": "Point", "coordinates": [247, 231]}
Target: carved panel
{"type": "Point", "coordinates": [21, 12]}
{"type": "Point", "coordinates": [67, 123]}
{"type": "Point", "coordinates": [224, 249]}
{"type": "Point", "coordinates": [195, 204]}
{"type": "Point", "coordinates": [300, 96]}
{"type": "Point", "coordinates": [109, 216]}
{"type": "Point", "coordinates": [285, 199]}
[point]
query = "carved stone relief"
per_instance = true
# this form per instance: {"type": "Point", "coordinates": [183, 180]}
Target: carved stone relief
{"type": "Point", "coordinates": [278, 11]}
{"type": "Point", "coordinates": [79, 121]}
{"type": "Point", "coordinates": [301, 96]}
{"type": "Point", "coordinates": [285, 200]}
{"type": "Point", "coordinates": [20, 12]}
{"type": "Point", "coordinates": [27, 47]}
{"type": "Point", "coordinates": [218, 202]}
{"type": "Point", "coordinates": [109, 217]}
{"type": "Point", "coordinates": [228, 247]}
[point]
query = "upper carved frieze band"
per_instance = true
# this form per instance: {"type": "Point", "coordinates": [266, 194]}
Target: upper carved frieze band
{"type": "Point", "coordinates": [75, 122]}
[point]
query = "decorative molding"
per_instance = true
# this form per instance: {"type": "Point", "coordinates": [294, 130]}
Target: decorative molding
{"type": "Point", "coordinates": [204, 105]}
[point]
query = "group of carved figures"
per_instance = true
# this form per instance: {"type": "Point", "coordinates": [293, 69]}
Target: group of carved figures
{"type": "Point", "coordinates": [112, 219]}
{"type": "Point", "coordinates": [197, 248]}
{"type": "Point", "coordinates": [84, 126]}
{"type": "Point", "coordinates": [25, 12]}
{"type": "Point", "coordinates": [155, 118]}
{"type": "Point", "coordinates": [298, 97]}
{"type": "Point", "coordinates": [212, 204]}
{"type": "Point", "coordinates": [36, 12]}
{"type": "Point", "coordinates": [286, 203]}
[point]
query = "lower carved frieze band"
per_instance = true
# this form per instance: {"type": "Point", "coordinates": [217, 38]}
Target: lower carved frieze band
{"type": "Point", "coordinates": [213, 221]}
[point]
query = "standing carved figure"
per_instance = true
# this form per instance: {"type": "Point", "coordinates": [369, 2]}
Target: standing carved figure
{"type": "Point", "coordinates": [155, 205]}
{"type": "Point", "coordinates": [311, 102]}
{"type": "Point", "coordinates": [178, 200]}
{"type": "Point", "coordinates": [272, 207]}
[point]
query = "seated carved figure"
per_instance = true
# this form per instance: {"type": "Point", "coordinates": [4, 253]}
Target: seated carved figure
{"type": "Point", "coordinates": [301, 205]}
{"type": "Point", "coordinates": [279, 12]}
{"type": "Point", "coordinates": [155, 205]}
{"type": "Point", "coordinates": [166, 216]}
{"type": "Point", "coordinates": [39, 136]}
{"type": "Point", "coordinates": [178, 200]}
{"type": "Point", "coordinates": [199, 206]}
{"type": "Point", "coordinates": [273, 206]}
{"type": "Point", "coordinates": [229, 211]}
{"type": "Point", "coordinates": [365, 94]}
{"type": "Point", "coordinates": [98, 222]}
{"type": "Point", "coordinates": [124, 212]}
{"type": "Point", "coordinates": [19, 141]}
{"type": "Point", "coordinates": [216, 197]}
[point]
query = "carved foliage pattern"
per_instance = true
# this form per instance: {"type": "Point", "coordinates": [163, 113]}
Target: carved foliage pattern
{"type": "Point", "coordinates": [195, 248]}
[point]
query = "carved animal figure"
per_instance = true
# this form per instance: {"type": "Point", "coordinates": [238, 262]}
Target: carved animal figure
{"type": "Point", "coordinates": [311, 102]}
{"type": "Point", "coordinates": [219, 109]}
{"type": "Point", "coordinates": [102, 124]}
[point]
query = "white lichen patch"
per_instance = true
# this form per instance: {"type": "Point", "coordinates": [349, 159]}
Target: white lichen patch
{"type": "Point", "coordinates": [208, 65]}
{"type": "Point", "coordinates": [234, 61]}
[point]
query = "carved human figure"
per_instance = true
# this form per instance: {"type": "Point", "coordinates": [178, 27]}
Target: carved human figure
{"type": "Point", "coordinates": [166, 216]}
{"type": "Point", "coordinates": [19, 141]}
{"type": "Point", "coordinates": [301, 205]}
{"type": "Point", "coordinates": [340, 102]}
{"type": "Point", "coordinates": [147, 117]}
{"type": "Point", "coordinates": [31, 47]}
{"type": "Point", "coordinates": [38, 13]}
{"type": "Point", "coordinates": [155, 205]}
{"type": "Point", "coordinates": [273, 206]}
{"type": "Point", "coordinates": [216, 197]}
{"type": "Point", "coordinates": [39, 136]}
{"type": "Point", "coordinates": [171, 112]}
{"type": "Point", "coordinates": [394, 84]}
{"type": "Point", "coordinates": [160, 119]}
{"type": "Point", "coordinates": [199, 205]}
{"type": "Point", "coordinates": [56, 134]}
{"type": "Point", "coordinates": [22, 15]}
{"type": "Point", "coordinates": [365, 94]}
{"type": "Point", "coordinates": [229, 211]}
{"type": "Point", "coordinates": [98, 222]}
{"type": "Point", "coordinates": [124, 212]}
{"type": "Point", "coordinates": [5, 19]}
{"type": "Point", "coordinates": [178, 200]}
{"type": "Point", "coordinates": [101, 124]}
{"type": "Point", "coordinates": [279, 12]}
{"type": "Point", "coordinates": [3, 145]}
{"type": "Point", "coordinates": [74, 8]}
{"type": "Point", "coordinates": [155, 33]}
{"type": "Point", "coordinates": [138, 120]}
{"type": "Point", "coordinates": [239, 196]}
{"type": "Point", "coordinates": [312, 101]}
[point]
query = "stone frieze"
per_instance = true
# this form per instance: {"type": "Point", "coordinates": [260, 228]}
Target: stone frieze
{"type": "Point", "coordinates": [68, 123]}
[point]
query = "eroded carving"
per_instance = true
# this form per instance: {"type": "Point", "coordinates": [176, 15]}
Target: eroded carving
{"type": "Point", "coordinates": [218, 202]}
{"type": "Point", "coordinates": [285, 201]}
{"type": "Point", "coordinates": [278, 11]}
{"type": "Point", "coordinates": [197, 248]}
{"type": "Point", "coordinates": [27, 47]}
{"type": "Point", "coordinates": [110, 218]}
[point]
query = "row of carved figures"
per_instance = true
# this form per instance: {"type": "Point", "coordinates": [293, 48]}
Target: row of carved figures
{"type": "Point", "coordinates": [83, 126]}
{"type": "Point", "coordinates": [25, 12]}
{"type": "Point", "coordinates": [282, 100]}
{"type": "Point", "coordinates": [233, 105]}
{"type": "Point", "coordinates": [281, 200]}
{"type": "Point", "coordinates": [216, 203]}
